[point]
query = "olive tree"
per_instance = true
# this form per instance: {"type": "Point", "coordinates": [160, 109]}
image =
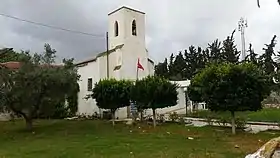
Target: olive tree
{"type": "Point", "coordinates": [36, 87]}
{"type": "Point", "coordinates": [112, 94]}
{"type": "Point", "coordinates": [154, 92]}
{"type": "Point", "coordinates": [230, 87]}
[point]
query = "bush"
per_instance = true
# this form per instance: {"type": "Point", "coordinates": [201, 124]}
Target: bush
{"type": "Point", "coordinates": [173, 116]}
{"type": "Point", "coordinates": [107, 115]}
{"type": "Point", "coordinates": [222, 121]}
{"type": "Point", "coordinates": [209, 119]}
{"type": "Point", "coordinates": [160, 118]}
{"type": "Point", "coordinates": [181, 120]}
{"type": "Point", "coordinates": [240, 122]}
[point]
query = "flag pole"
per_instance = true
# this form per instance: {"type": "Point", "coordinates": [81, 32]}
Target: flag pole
{"type": "Point", "coordinates": [137, 73]}
{"type": "Point", "coordinates": [137, 69]}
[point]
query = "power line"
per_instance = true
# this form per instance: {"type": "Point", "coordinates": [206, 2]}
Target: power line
{"type": "Point", "coordinates": [51, 26]}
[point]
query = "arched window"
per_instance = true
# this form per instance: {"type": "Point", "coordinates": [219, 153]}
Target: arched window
{"type": "Point", "coordinates": [116, 29]}
{"type": "Point", "coordinates": [134, 30]}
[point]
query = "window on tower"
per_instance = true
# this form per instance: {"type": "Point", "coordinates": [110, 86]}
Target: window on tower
{"type": "Point", "coordinates": [116, 29]}
{"type": "Point", "coordinates": [134, 31]}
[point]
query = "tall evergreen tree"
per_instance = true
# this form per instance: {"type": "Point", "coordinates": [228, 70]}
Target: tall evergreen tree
{"type": "Point", "coordinates": [206, 56]}
{"type": "Point", "coordinates": [191, 61]}
{"type": "Point", "coordinates": [252, 56]}
{"type": "Point", "coordinates": [266, 60]}
{"type": "Point", "coordinates": [161, 69]}
{"type": "Point", "coordinates": [195, 61]}
{"type": "Point", "coordinates": [178, 67]}
{"type": "Point", "coordinates": [229, 51]}
{"type": "Point", "coordinates": [170, 65]}
{"type": "Point", "coordinates": [215, 51]}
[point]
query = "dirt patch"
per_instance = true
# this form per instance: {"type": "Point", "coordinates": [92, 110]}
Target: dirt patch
{"type": "Point", "coordinates": [245, 143]}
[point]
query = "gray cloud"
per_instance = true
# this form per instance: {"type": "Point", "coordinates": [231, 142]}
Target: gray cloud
{"type": "Point", "coordinates": [171, 25]}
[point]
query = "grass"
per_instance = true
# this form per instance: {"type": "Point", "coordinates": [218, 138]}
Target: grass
{"type": "Point", "coordinates": [98, 139]}
{"type": "Point", "coordinates": [265, 115]}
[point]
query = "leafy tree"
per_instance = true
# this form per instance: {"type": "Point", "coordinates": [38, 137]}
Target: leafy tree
{"type": "Point", "coordinates": [36, 88]}
{"type": "Point", "coordinates": [49, 55]}
{"type": "Point", "coordinates": [161, 69]}
{"type": "Point", "coordinates": [3, 79]}
{"type": "Point", "coordinates": [8, 54]}
{"type": "Point", "coordinates": [229, 50]}
{"type": "Point", "coordinates": [72, 95]}
{"type": "Point", "coordinates": [154, 92]}
{"type": "Point", "coordinates": [112, 94]}
{"type": "Point", "coordinates": [230, 87]}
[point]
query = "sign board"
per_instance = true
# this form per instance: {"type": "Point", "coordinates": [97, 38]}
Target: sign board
{"type": "Point", "coordinates": [133, 108]}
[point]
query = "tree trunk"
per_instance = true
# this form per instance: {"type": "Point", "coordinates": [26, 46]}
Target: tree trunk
{"type": "Point", "coordinates": [141, 115]}
{"type": "Point", "coordinates": [154, 117]}
{"type": "Point", "coordinates": [128, 110]}
{"type": "Point", "coordinates": [100, 114]}
{"type": "Point", "coordinates": [233, 122]}
{"type": "Point", "coordinates": [113, 117]}
{"type": "Point", "coordinates": [29, 125]}
{"type": "Point", "coordinates": [187, 103]}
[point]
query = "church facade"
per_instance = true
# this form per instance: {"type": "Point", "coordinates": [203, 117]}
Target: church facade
{"type": "Point", "coordinates": [126, 45]}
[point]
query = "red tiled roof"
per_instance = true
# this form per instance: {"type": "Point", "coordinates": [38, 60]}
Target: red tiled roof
{"type": "Point", "coordinates": [11, 65]}
{"type": "Point", "coordinates": [17, 65]}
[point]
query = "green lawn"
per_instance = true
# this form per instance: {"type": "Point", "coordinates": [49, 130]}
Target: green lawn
{"type": "Point", "coordinates": [97, 139]}
{"type": "Point", "coordinates": [265, 115]}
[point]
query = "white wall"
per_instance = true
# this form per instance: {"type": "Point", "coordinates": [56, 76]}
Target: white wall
{"type": "Point", "coordinates": [120, 39]}
{"type": "Point", "coordinates": [91, 70]}
{"type": "Point", "coordinates": [151, 68]}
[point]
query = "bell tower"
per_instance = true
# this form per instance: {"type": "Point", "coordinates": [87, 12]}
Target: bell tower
{"type": "Point", "coordinates": [127, 29]}
{"type": "Point", "coordinates": [126, 26]}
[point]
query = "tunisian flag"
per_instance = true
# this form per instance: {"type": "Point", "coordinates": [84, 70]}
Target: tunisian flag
{"type": "Point", "coordinates": [139, 65]}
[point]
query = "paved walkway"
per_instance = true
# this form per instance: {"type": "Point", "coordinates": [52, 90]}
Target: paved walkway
{"type": "Point", "coordinates": [252, 127]}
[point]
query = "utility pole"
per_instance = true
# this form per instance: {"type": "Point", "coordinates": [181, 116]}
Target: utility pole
{"type": "Point", "coordinates": [107, 62]}
{"type": "Point", "coordinates": [107, 53]}
{"type": "Point", "coordinates": [242, 24]}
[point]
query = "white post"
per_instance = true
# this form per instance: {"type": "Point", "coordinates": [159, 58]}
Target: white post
{"type": "Point", "coordinates": [191, 106]}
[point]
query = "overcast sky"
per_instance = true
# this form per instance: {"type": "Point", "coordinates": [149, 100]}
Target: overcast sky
{"type": "Point", "coordinates": [171, 26]}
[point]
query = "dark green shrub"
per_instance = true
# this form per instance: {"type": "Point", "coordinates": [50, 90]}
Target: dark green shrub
{"type": "Point", "coordinates": [173, 116]}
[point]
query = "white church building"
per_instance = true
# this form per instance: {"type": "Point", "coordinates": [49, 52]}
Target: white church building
{"type": "Point", "coordinates": [126, 44]}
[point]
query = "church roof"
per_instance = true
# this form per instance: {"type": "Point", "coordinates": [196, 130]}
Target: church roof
{"type": "Point", "coordinates": [99, 55]}
{"type": "Point", "coordinates": [124, 7]}
{"type": "Point", "coordinates": [150, 60]}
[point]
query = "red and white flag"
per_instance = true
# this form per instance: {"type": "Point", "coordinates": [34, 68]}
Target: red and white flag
{"type": "Point", "coordinates": [139, 65]}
